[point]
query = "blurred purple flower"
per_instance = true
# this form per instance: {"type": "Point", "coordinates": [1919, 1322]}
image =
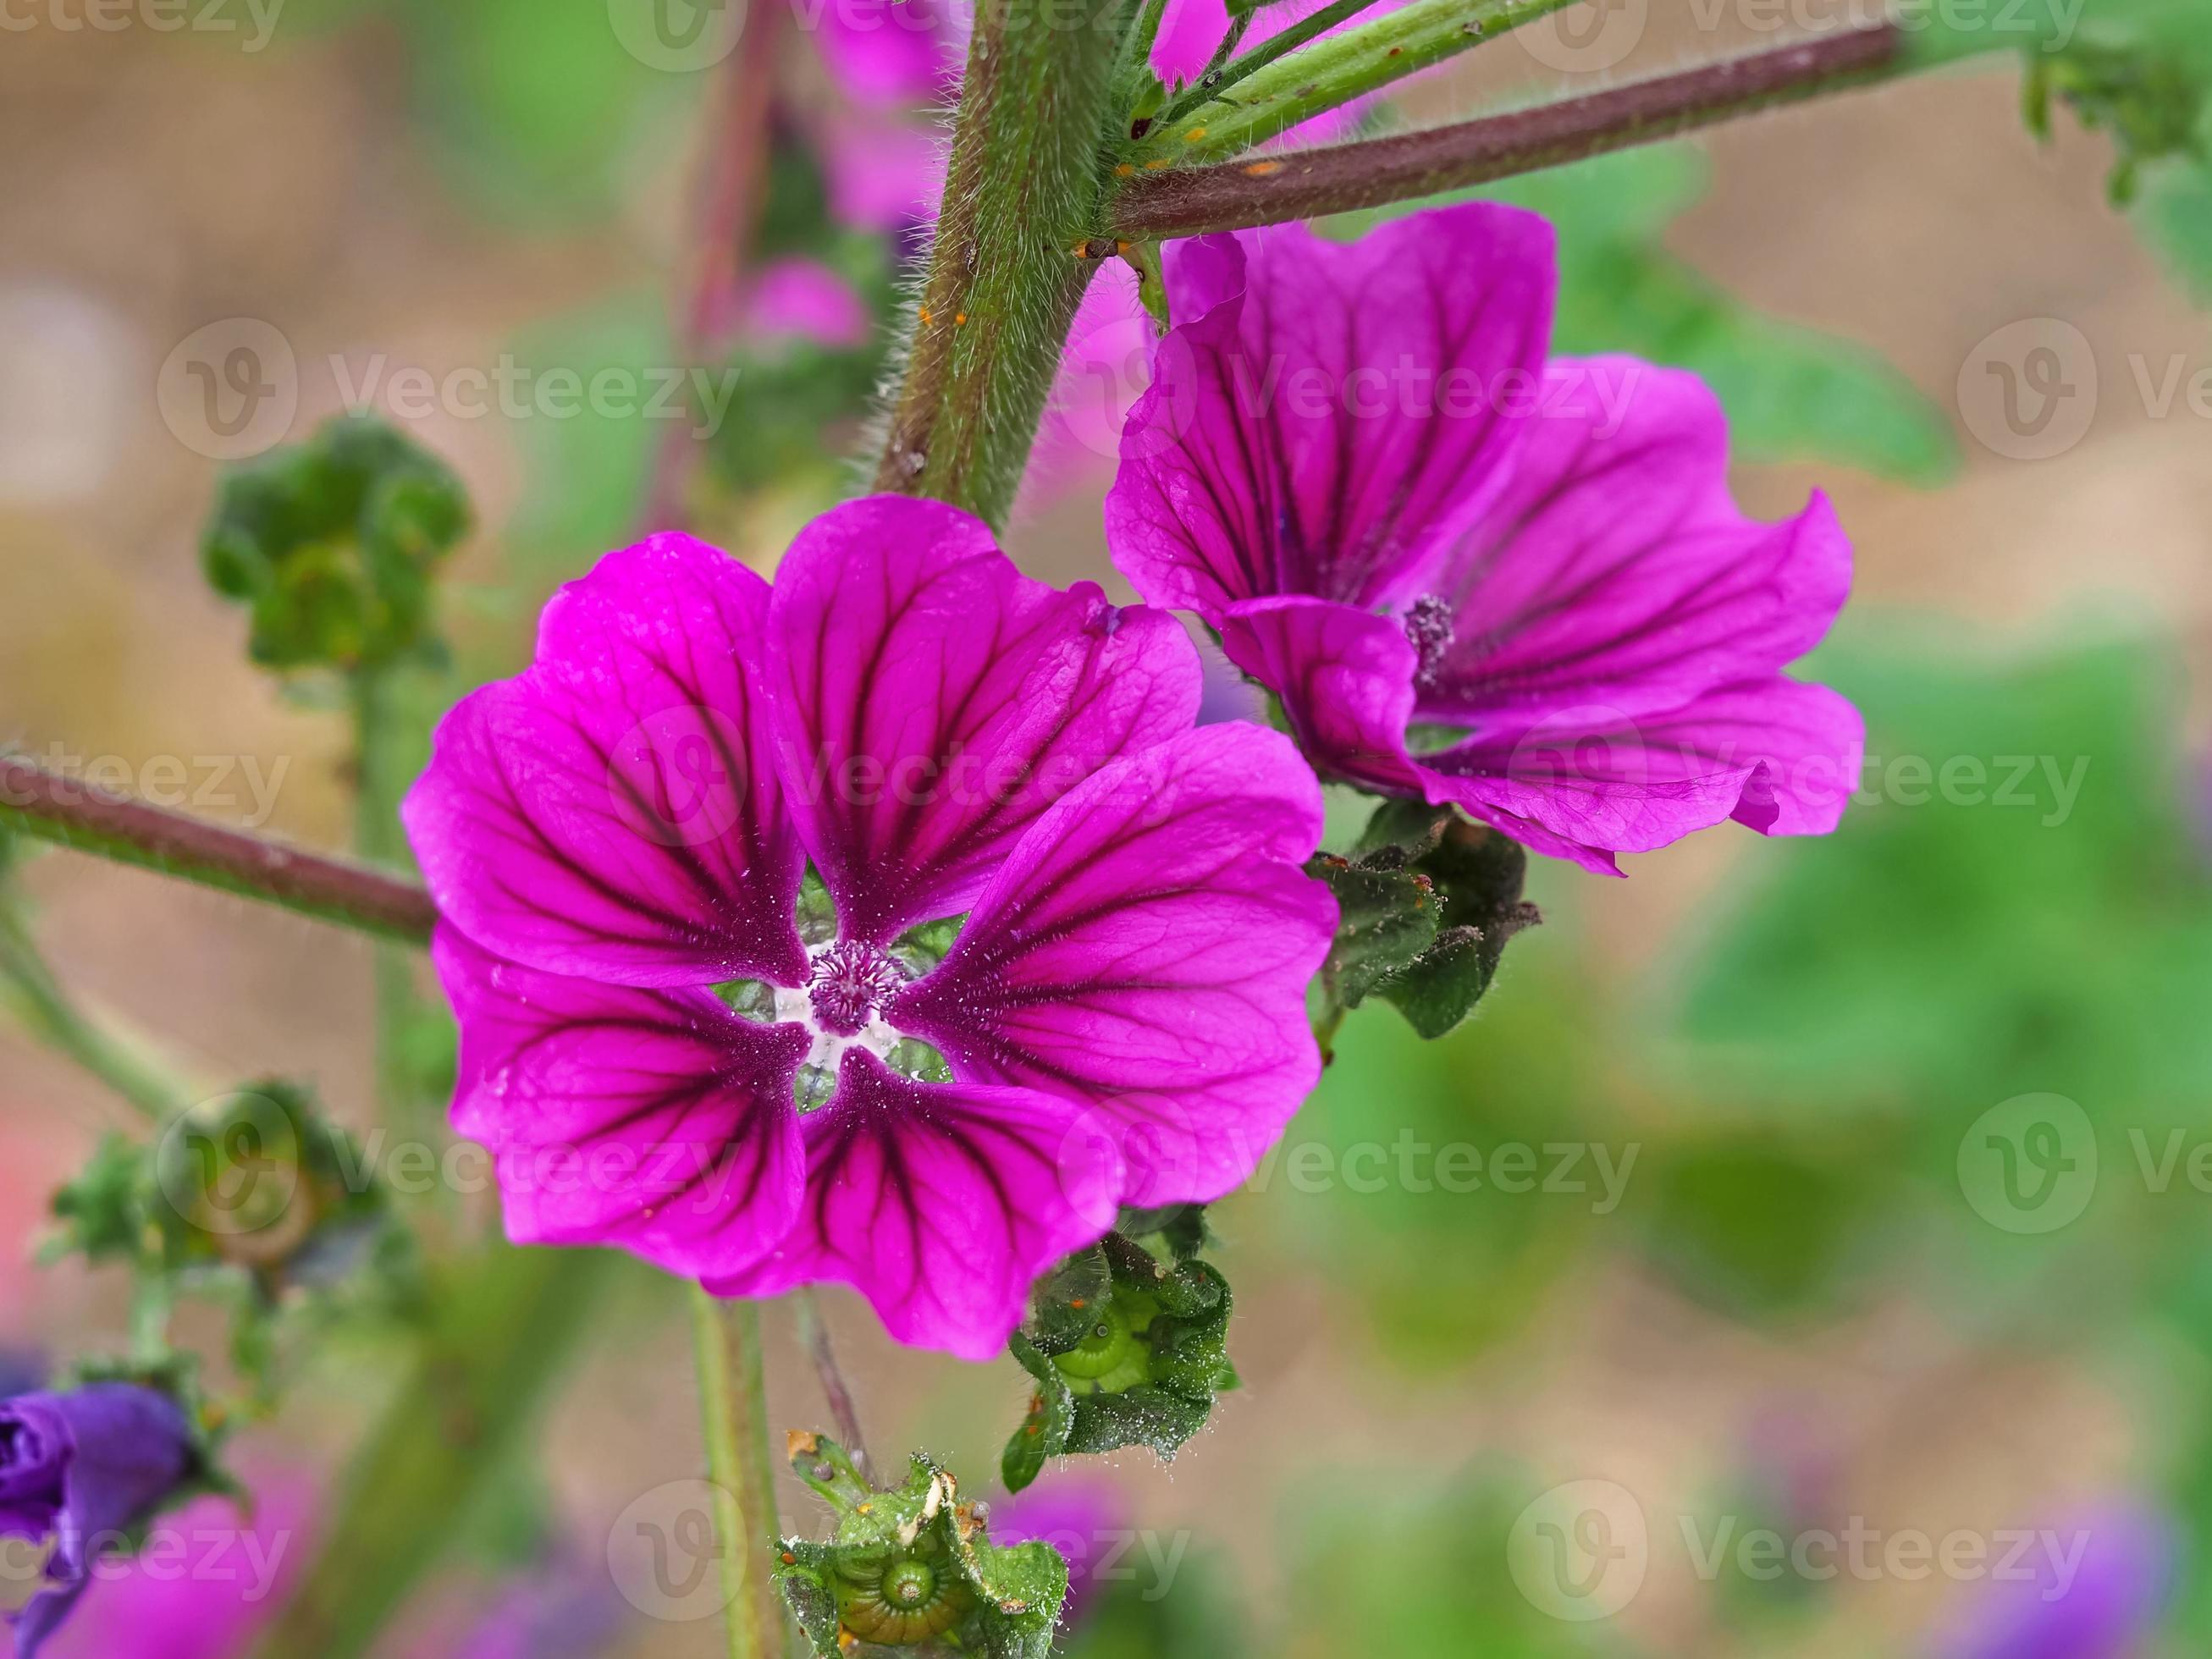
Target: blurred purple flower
{"type": "Point", "coordinates": [1474, 576]}
{"type": "Point", "coordinates": [623, 829]}
{"type": "Point", "coordinates": [80, 1467]}
{"type": "Point", "coordinates": [1085, 1518]}
{"type": "Point", "coordinates": [2104, 1607]}
{"type": "Point", "coordinates": [557, 1612]}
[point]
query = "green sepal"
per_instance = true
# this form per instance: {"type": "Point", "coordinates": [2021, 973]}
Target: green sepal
{"type": "Point", "coordinates": [1386, 918]}
{"type": "Point", "coordinates": [980, 1598]}
{"type": "Point", "coordinates": [1141, 1368]}
{"type": "Point", "coordinates": [1472, 879]}
{"type": "Point", "coordinates": [1181, 1229]}
{"type": "Point", "coordinates": [331, 545]}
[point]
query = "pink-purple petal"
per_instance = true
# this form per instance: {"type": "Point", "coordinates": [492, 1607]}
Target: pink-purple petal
{"type": "Point", "coordinates": [1146, 950]}
{"type": "Point", "coordinates": [612, 811]}
{"type": "Point", "coordinates": [1331, 430]}
{"type": "Point", "coordinates": [1346, 676]}
{"type": "Point", "coordinates": [1616, 566]}
{"type": "Point", "coordinates": [941, 1203]}
{"type": "Point", "coordinates": [1779, 756]}
{"type": "Point", "coordinates": [934, 700]}
{"type": "Point", "coordinates": [654, 1120]}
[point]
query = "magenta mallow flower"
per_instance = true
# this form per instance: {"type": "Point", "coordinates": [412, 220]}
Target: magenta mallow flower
{"type": "Point", "coordinates": [79, 1468]}
{"type": "Point", "coordinates": [1473, 575]}
{"type": "Point", "coordinates": [667, 1052]}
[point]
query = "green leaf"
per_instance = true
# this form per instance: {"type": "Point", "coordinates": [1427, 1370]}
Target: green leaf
{"type": "Point", "coordinates": [910, 1565]}
{"type": "Point", "coordinates": [2015, 902]}
{"type": "Point", "coordinates": [1139, 1366]}
{"type": "Point", "coordinates": [2175, 213]}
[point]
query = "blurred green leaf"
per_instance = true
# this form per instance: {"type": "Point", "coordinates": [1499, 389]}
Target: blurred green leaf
{"type": "Point", "coordinates": [2016, 901]}
{"type": "Point", "coordinates": [1791, 392]}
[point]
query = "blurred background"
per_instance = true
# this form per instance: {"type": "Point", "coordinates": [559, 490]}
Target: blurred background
{"type": "Point", "coordinates": [1809, 1192]}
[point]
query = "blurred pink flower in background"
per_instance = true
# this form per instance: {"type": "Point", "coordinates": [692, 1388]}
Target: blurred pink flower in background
{"type": "Point", "coordinates": [212, 1574]}
{"type": "Point", "coordinates": [2104, 1607]}
{"type": "Point", "coordinates": [803, 299]}
{"type": "Point", "coordinates": [1086, 1518]}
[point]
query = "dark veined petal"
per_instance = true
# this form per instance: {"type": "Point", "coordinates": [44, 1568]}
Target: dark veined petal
{"type": "Point", "coordinates": [1617, 568]}
{"type": "Point", "coordinates": [1327, 425]}
{"type": "Point", "coordinates": [657, 1120]}
{"type": "Point", "coordinates": [612, 810]}
{"type": "Point", "coordinates": [940, 1203]}
{"type": "Point", "coordinates": [1346, 676]}
{"type": "Point", "coordinates": [1778, 754]}
{"type": "Point", "coordinates": [1146, 950]}
{"type": "Point", "coordinates": [934, 700]}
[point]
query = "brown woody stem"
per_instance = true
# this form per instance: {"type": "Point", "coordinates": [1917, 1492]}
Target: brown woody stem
{"type": "Point", "coordinates": [1272, 190]}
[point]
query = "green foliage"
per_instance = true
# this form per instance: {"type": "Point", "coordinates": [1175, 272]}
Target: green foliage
{"type": "Point", "coordinates": [1125, 1349]}
{"type": "Point", "coordinates": [332, 545]}
{"type": "Point", "coordinates": [1792, 393]}
{"type": "Point", "coordinates": [1194, 1616]}
{"type": "Point", "coordinates": [2032, 918]}
{"type": "Point", "coordinates": [1403, 1220]}
{"type": "Point", "coordinates": [254, 1198]}
{"type": "Point", "coordinates": [2152, 104]}
{"type": "Point", "coordinates": [910, 1565]}
{"type": "Point", "coordinates": [1418, 1569]}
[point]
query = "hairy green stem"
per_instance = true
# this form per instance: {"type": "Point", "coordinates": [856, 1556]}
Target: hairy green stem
{"type": "Point", "coordinates": [1187, 202]}
{"type": "Point", "coordinates": [1328, 73]}
{"type": "Point", "coordinates": [1006, 269]}
{"type": "Point", "coordinates": [1312, 26]}
{"type": "Point", "coordinates": [76, 814]}
{"type": "Point", "coordinates": [32, 993]}
{"type": "Point", "coordinates": [384, 769]}
{"type": "Point", "coordinates": [733, 1410]}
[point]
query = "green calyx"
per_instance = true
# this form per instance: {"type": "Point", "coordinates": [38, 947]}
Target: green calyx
{"type": "Point", "coordinates": [253, 1198]}
{"type": "Point", "coordinates": [1425, 904]}
{"type": "Point", "coordinates": [1127, 1347]}
{"type": "Point", "coordinates": [332, 545]}
{"type": "Point", "coordinates": [910, 1565]}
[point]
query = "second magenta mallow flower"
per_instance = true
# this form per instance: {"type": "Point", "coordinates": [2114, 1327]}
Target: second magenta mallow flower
{"type": "Point", "coordinates": [1473, 574]}
{"type": "Point", "coordinates": [676, 1040]}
